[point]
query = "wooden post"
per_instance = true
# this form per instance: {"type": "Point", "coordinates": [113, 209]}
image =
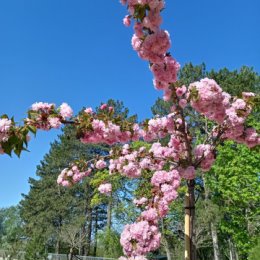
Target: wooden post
{"type": "Point", "coordinates": [189, 231]}
{"type": "Point", "coordinates": [187, 228]}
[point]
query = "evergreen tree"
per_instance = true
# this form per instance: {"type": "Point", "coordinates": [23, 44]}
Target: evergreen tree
{"type": "Point", "coordinates": [49, 208]}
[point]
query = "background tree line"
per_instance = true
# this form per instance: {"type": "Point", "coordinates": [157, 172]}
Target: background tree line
{"type": "Point", "coordinates": [79, 220]}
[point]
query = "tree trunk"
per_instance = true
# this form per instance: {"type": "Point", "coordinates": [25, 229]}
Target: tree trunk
{"type": "Point", "coordinates": [190, 248]}
{"type": "Point", "coordinates": [109, 214]}
{"type": "Point", "coordinates": [95, 232]}
{"type": "Point", "coordinates": [89, 230]}
{"type": "Point", "coordinates": [57, 246]}
{"type": "Point", "coordinates": [71, 254]}
{"type": "Point", "coordinates": [167, 249]}
{"type": "Point", "coordinates": [165, 242]}
{"type": "Point", "coordinates": [81, 246]}
{"type": "Point", "coordinates": [214, 236]}
{"type": "Point", "coordinates": [213, 230]}
{"type": "Point", "coordinates": [232, 252]}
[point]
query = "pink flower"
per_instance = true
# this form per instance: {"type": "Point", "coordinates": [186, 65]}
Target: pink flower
{"type": "Point", "coordinates": [5, 125]}
{"type": "Point", "coordinates": [150, 215]}
{"type": "Point", "coordinates": [105, 188]}
{"type": "Point", "coordinates": [204, 152]}
{"type": "Point", "coordinates": [181, 91]}
{"type": "Point", "coordinates": [140, 238]}
{"type": "Point", "coordinates": [42, 106]}
{"type": "Point", "coordinates": [239, 104]}
{"type": "Point", "coordinates": [65, 110]}
{"type": "Point", "coordinates": [251, 137]}
{"type": "Point", "coordinates": [208, 99]}
{"type": "Point", "coordinates": [154, 19]}
{"type": "Point", "coordinates": [138, 28]}
{"type": "Point", "coordinates": [247, 95]}
{"type": "Point", "coordinates": [167, 95]}
{"type": "Point", "coordinates": [127, 20]}
{"type": "Point", "coordinates": [88, 110]}
{"type": "Point", "coordinates": [54, 122]}
{"type": "Point", "coordinates": [183, 103]}
{"type": "Point", "coordinates": [155, 46]}
{"type": "Point", "coordinates": [166, 71]}
{"type": "Point", "coordinates": [139, 202]}
{"type": "Point", "coordinates": [101, 164]}
{"type": "Point", "coordinates": [188, 173]}
{"type": "Point", "coordinates": [103, 106]}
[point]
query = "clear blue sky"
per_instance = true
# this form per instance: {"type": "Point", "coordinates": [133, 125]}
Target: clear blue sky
{"type": "Point", "coordinates": [79, 52]}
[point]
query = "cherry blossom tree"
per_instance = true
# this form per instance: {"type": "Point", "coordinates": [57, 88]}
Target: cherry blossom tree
{"type": "Point", "coordinates": [164, 166]}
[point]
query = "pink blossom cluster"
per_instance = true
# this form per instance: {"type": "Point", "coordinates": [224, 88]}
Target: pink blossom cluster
{"type": "Point", "coordinates": [181, 97]}
{"type": "Point", "coordinates": [187, 173]}
{"type": "Point", "coordinates": [154, 47]}
{"type": "Point", "coordinates": [101, 164]}
{"type": "Point", "coordinates": [45, 116]}
{"type": "Point", "coordinates": [208, 99]}
{"type": "Point", "coordinates": [153, 18]}
{"type": "Point", "coordinates": [127, 164]}
{"type": "Point", "coordinates": [205, 155]}
{"type": "Point", "coordinates": [72, 175]}
{"type": "Point", "coordinates": [166, 184]}
{"type": "Point", "coordinates": [139, 238]}
{"type": "Point", "coordinates": [236, 117]}
{"type": "Point", "coordinates": [175, 150]}
{"type": "Point", "coordinates": [143, 236]}
{"type": "Point", "coordinates": [105, 188]}
{"type": "Point", "coordinates": [5, 125]}
{"type": "Point", "coordinates": [178, 145]}
{"type": "Point", "coordinates": [152, 43]}
{"type": "Point", "coordinates": [140, 202]}
{"type": "Point", "coordinates": [158, 127]}
{"type": "Point", "coordinates": [109, 133]}
{"type": "Point", "coordinates": [151, 215]}
{"type": "Point", "coordinates": [251, 137]}
{"type": "Point", "coordinates": [131, 162]}
{"type": "Point", "coordinates": [42, 107]}
{"type": "Point", "coordinates": [65, 111]}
